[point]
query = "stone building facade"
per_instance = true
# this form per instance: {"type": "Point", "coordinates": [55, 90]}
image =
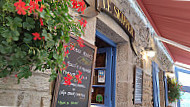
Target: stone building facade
{"type": "Point", "coordinates": [37, 91]}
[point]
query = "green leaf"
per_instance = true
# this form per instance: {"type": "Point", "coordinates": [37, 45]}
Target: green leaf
{"type": "Point", "coordinates": [24, 72]}
{"type": "Point", "coordinates": [4, 73]}
{"type": "Point", "coordinates": [50, 43]}
{"type": "Point", "coordinates": [55, 55]}
{"type": "Point", "coordinates": [14, 23]}
{"type": "Point", "coordinates": [27, 38]}
{"type": "Point", "coordinates": [66, 38]}
{"type": "Point", "coordinates": [11, 35]}
{"type": "Point", "coordinates": [9, 7]}
{"type": "Point", "coordinates": [53, 76]}
{"type": "Point", "coordinates": [46, 35]}
{"type": "Point", "coordinates": [29, 24]}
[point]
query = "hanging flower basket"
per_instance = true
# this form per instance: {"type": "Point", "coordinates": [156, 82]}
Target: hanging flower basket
{"type": "Point", "coordinates": [174, 90]}
{"type": "Point", "coordinates": [33, 34]}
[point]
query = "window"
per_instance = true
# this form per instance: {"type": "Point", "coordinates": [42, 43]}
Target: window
{"type": "Point", "coordinates": [183, 76]}
{"type": "Point", "coordinates": [103, 88]}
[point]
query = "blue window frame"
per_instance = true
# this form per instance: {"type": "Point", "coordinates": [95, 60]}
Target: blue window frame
{"type": "Point", "coordinates": [156, 89]}
{"type": "Point", "coordinates": [110, 78]}
{"type": "Point", "coordinates": [186, 88]}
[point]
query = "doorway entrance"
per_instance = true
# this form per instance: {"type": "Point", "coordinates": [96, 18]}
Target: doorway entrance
{"type": "Point", "coordinates": [103, 88]}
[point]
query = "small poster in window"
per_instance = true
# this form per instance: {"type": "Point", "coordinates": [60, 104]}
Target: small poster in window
{"type": "Point", "coordinates": [101, 76]}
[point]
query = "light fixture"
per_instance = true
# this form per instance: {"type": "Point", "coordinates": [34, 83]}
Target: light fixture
{"type": "Point", "coordinates": [149, 52]}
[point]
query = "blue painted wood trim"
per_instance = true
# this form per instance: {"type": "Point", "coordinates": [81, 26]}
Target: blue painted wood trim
{"type": "Point", "coordinates": [98, 85]}
{"type": "Point", "coordinates": [108, 77]}
{"type": "Point", "coordinates": [166, 89]}
{"type": "Point", "coordinates": [114, 76]}
{"type": "Point", "coordinates": [100, 68]}
{"type": "Point", "coordinates": [176, 75]}
{"type": "Point", "coordinates": [104, 38]}
{"type": "Point", "coordinates": [186, 88]}
{"type": "Point", "coordinates": [156, 91]}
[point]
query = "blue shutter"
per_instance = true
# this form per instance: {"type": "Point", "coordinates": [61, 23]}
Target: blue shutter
{"type": "Point", "coordinates": [156, 89]}
{"type": "Point", "coordinates": [166, 89]}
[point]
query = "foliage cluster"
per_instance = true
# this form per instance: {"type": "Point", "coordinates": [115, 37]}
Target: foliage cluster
{"type": "Point", "coordinates": [32, 34]}
{"type": "Point", "coordinates": [174, 90]}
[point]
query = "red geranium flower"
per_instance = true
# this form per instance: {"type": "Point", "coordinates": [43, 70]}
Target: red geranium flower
{"type": "Point", "coordinates": [80, 73]}
{"type": "Point", "coordinates": [43, 37]}
{"type": "Point", "coordinates": [16, 75]}
{"type": "Point", "coordinates": [65, 46]}
{"type": "Point", "coordinates": [41, 22]}
{"type": "Point", "coordinates": [82, 6]}
{"type": "Point", "coordinates": [80, 42]}
{"type": "Point", "coordinates": [68, 79]}
{"type": "Point", "coordinates": [34, 5]}
{"type": "Point", "coordinates": [75, 4]}
{"type": "Point", "coordinates": [20, 7]}
{"type": "Point", "coordinates": [66, 53]}
{"type": "Point", "coordinates": [78, 77]}
{"type": "Point", "coordinates": [37, 36]}
{"type": "Point", "coordinates": [83, 22]}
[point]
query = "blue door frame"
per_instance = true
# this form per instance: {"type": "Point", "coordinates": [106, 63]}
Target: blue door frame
{"type": "Point", "coordinates": [156, 88]}
{"type": "Point", "coordinates": [111, 78]}
{"type": "Point", "coordinates": [186, 88]}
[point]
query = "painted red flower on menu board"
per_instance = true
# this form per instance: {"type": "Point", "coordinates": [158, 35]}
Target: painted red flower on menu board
{"type": "Point", "coordinates": [78, 77]}
{"type": "Point", "coordinates": [68, 79]}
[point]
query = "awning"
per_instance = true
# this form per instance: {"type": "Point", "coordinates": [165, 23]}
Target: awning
{"type": "Point", "coordinates": [171, 20]}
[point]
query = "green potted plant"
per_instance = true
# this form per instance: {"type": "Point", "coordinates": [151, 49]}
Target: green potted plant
{"type": "Point", "coordinates": [33, 34]}
{"type": "Point", "coordinates": [174, 90]}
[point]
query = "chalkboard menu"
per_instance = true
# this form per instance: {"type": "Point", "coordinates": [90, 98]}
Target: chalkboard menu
{"type": "Point", "coordinates": [80, 61]}
{"type": "Point", "coordinates": [138, 86]}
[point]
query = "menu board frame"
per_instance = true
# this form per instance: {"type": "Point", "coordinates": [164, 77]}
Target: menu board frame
{"type": "Point", "coordinates": [135, 85]}
{"type": "Point", "coordinates": [58, 79]}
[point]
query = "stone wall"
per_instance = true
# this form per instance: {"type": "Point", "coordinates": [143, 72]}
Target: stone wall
{"type": "Point", "coordinates": [32, 92]}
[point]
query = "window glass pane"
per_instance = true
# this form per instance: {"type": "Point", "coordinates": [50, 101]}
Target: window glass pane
{"type": "Point", "coordinates": [99, 77]}
{"type": "Point", "coordinates": [184, 78]}
{"type": "Point", "coordinates": [185, 100]}
{"type": "Point", "coordinates": [97, 95]}
{"type": "Point", "coordinates": [101, 60]}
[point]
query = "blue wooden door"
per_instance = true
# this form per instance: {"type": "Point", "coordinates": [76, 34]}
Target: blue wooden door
{"type": "Point", "coordinates": [107, 86]}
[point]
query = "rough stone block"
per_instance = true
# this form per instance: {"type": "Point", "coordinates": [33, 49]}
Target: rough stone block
{"type": "Point", "coordinates": [122, 52]}
{"type": "Point", "coordinates": [7, 98]}
{"type": "Point", "coordinates": [122, 92]}
{"type": "Point", "coordinates": [36, 82]}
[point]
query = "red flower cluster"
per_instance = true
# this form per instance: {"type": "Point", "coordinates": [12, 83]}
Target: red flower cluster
{"type": "Point", "coordinates": [20, 7]}
{"type": "Point", "coordinates": [68, 79]}
{"type": "Point", "coordinates": [79, 5]}
{"type": "Point", "coordinates": [83, 22]}
{"type": "Point", "coordinates": [33, 5]}
{"type": "Point", "coordinates": [78, 77]}
{"type": "Point", "coordinates": [80, 42]}
{"type": "Point", "coordinates": [37, 36]}
{"type": "Point", "coordinates": [41, 22]}
{"type": "Point", "coordinates": [66, 53]}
